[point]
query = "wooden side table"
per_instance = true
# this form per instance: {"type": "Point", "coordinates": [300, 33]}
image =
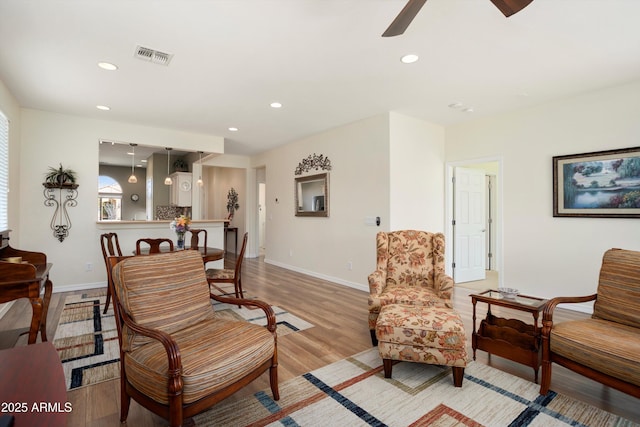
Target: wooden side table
{"type": "Point", "coordinates": [509, 338]}
{"type": "Point", "coordinates": [234, 230]}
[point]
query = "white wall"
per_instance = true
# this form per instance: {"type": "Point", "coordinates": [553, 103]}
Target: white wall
{"type": "Point", "coordinates": [358, 188]}
{"type": "Point", "coordinates": [48, 139]}
{"type": "Point", "coordinates": [543, 255]}
{"type": "Point", "coordinates": [416, 174]}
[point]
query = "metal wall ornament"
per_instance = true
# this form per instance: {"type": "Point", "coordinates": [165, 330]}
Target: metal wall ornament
{"type": "Point", "coordinates": [317, 162]}
{"type": "Point", "coordinates": [61, 196]}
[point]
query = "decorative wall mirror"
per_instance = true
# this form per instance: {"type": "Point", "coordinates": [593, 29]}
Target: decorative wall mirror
{"type": "Point", "coordinates": [312, 195]}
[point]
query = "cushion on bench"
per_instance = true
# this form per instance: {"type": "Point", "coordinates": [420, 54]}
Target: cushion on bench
{"type": "Point", "coordinates": [604, 346]}
{"type": "Point", "coordinates": [433, 335]}
{"type": "Point", "coordinates": [203, 368]}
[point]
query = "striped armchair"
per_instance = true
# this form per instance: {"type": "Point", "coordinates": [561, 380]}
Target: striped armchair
{"type": "Point", "coordinates": [177, 358]}
{"type": "Point", "coordinates": [605, 347]}
{"type": "Point", "coordinates": [410, 271]}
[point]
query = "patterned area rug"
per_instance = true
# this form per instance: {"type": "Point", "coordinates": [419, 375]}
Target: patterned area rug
{"type": "Point", "coordinates": [87, 340]}
{"type": "Point", "coordinates": [354, 392]}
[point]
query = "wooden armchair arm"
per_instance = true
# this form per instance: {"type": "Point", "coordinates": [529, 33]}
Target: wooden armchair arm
{"type": "Point", "coordinates": [170, 346]}
{"type": "Point", "coordinates": [545, 334]}
{"type": "Point", "coordinates": [547, 314]}
{"type": "Point", "coordinates": [268, 311]}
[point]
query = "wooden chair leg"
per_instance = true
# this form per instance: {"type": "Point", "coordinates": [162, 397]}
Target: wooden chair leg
{"type": "Point", "coordinates": [273, 380]}
{"type": "Point", "coordinates": [106, 306]}
{"type": "Point", "coordinates": [240, 287]}
{"type": "Point", "coordinates": [374, 339]}
{"type": "Point", "coordinates": [458, 375]}
{"type": "Point", "coordinates": [387, 365]}
{"type": "Point", "coordinates": [125, 402]}
{"type": "Point", "coordinates": [545, 378]}
{"type": "Point", "coordinates": [238, 290]}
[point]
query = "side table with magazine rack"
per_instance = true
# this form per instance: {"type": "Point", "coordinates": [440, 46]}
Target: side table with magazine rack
{"type": "Point", "coordinates": [512, 339]}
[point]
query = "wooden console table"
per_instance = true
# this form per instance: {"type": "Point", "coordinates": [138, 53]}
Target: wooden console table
{"type": "Point", "coordinates": [33, 388]}
{"type": "Point", "coordinates": [233, 230]}
{"type": "Point", "coordinates": [512, 339]}
{"type": "Point", "coordinates": [26, 279]}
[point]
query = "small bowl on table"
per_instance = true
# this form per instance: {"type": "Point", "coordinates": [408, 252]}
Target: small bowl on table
{"type": "Point", "coordinates": [509, 293]}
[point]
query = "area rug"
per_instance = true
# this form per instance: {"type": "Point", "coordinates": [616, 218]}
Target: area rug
{"type": "Point", "coordinates": [87, 340]}
{"type": "Point", "coordinates": [354, 392]}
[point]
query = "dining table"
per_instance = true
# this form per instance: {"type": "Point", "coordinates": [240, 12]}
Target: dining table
{"type": "Point", "coordinates": [208, 253]}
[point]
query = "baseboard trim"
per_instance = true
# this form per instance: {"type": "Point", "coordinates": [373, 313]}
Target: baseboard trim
{"type": "Point", "coordinates": [79, 287]}
{"type": "Point", "coordinates": [317, 275]}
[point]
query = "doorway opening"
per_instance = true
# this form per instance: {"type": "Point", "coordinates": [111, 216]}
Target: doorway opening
{"type": "Point", "coordinates": [474, 256]}
{"type": "Point", "coordinates": [261, 181]}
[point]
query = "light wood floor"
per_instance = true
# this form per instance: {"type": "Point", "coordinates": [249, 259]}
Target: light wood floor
{"type": "Point", "coordinates": [340, 317]}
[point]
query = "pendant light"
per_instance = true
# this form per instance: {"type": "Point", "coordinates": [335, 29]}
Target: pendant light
{"type": "Point", "coordinates": [199, 181]}
{"type": "Point", "coordinates": [168, 180]}
{"type": "Point", "coordinates": [132, 178]}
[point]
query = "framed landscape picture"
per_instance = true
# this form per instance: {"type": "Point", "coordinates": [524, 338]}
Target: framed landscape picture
{"type": "Point", "coordinates": [599, 184]}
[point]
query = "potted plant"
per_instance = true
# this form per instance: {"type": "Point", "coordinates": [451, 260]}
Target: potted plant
{"type": "Point", "coordinates": [232, 203]}
{"type": "Point", "coordinates": [180, 166]}
{"type": "Point", "coordinates": [60, 176]}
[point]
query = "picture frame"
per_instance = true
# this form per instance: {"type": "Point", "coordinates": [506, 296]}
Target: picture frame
{"type": "Point", "coordinates": [600, 184]}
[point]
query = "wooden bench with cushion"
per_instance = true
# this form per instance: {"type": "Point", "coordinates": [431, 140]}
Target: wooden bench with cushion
{"type": "Point", "coordinates": [605, 347]}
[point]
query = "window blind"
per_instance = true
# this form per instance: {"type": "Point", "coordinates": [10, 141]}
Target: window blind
{"type": "Point", "coordinates": [4, 172]}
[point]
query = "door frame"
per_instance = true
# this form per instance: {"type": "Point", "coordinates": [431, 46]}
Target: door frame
{"type": "Point", "coordinates": [449, 213]}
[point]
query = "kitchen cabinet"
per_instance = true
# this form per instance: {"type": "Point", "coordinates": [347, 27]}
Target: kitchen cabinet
{"type": "Point", "coordinates": [181, 188]}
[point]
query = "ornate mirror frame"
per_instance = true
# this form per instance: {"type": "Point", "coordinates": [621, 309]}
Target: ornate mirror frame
{"type": "Point", "coordinates": [312, 195]}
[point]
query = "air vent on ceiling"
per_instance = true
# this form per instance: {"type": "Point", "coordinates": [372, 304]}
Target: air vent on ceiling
{"type": "Point", "coordinates": [152, 55]}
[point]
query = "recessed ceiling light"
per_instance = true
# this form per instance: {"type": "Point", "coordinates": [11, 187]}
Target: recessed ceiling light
{"type": "Point", "coordinates": [409, 59]}
{"type": "Point", "coordinates": [107, 66]}
{"type": "Point", "coordinates": [276, 105]}
{"type": "Point", "coordinates": [232, 129]}
{"type": "Point", "coordinates": [103, 107]}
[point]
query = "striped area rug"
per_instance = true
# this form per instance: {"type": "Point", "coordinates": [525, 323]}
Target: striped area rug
{"type": "Point", "coordinates": [354, 392]}
{"type": "Point", "coordinates": [87, 340]}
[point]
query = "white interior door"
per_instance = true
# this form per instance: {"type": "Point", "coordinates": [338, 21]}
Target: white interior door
{"type": "Point", "coordinates": [469, 225]}
{"type": "Point", "coordinates": [262, 214]}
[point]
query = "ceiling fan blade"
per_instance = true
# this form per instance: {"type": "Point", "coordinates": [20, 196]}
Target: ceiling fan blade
{"type": "Point", "coordinates": [509, 7]}
{"type": "Point", "coordinates": [404, 18]}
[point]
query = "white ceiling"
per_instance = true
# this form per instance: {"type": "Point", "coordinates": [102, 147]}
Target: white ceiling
{"type": "Point", "coordinates": [324, 60]}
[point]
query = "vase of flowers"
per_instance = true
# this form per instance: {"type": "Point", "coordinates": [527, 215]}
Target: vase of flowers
{"type": "Point", "coordinates": [180, 225]}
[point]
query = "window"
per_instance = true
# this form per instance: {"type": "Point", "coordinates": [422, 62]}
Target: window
{"type": "Point", "coordinates": [4, 172]}
{"type": "Point", "coordinates": [109, 199]}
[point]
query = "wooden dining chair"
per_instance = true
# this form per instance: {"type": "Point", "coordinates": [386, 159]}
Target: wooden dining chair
{"type": "Point", "coordinates": [196, 239]}
{"type": "Point", "coordinates": [110, 247]}
{"type": "Point", "coordinates": [228, 275]}
{"type": "Point", "coordinates": [154, 245]}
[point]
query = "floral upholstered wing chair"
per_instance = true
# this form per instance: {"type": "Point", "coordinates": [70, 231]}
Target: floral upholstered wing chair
{"type": "Point", "coordinates": [409, 270]}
